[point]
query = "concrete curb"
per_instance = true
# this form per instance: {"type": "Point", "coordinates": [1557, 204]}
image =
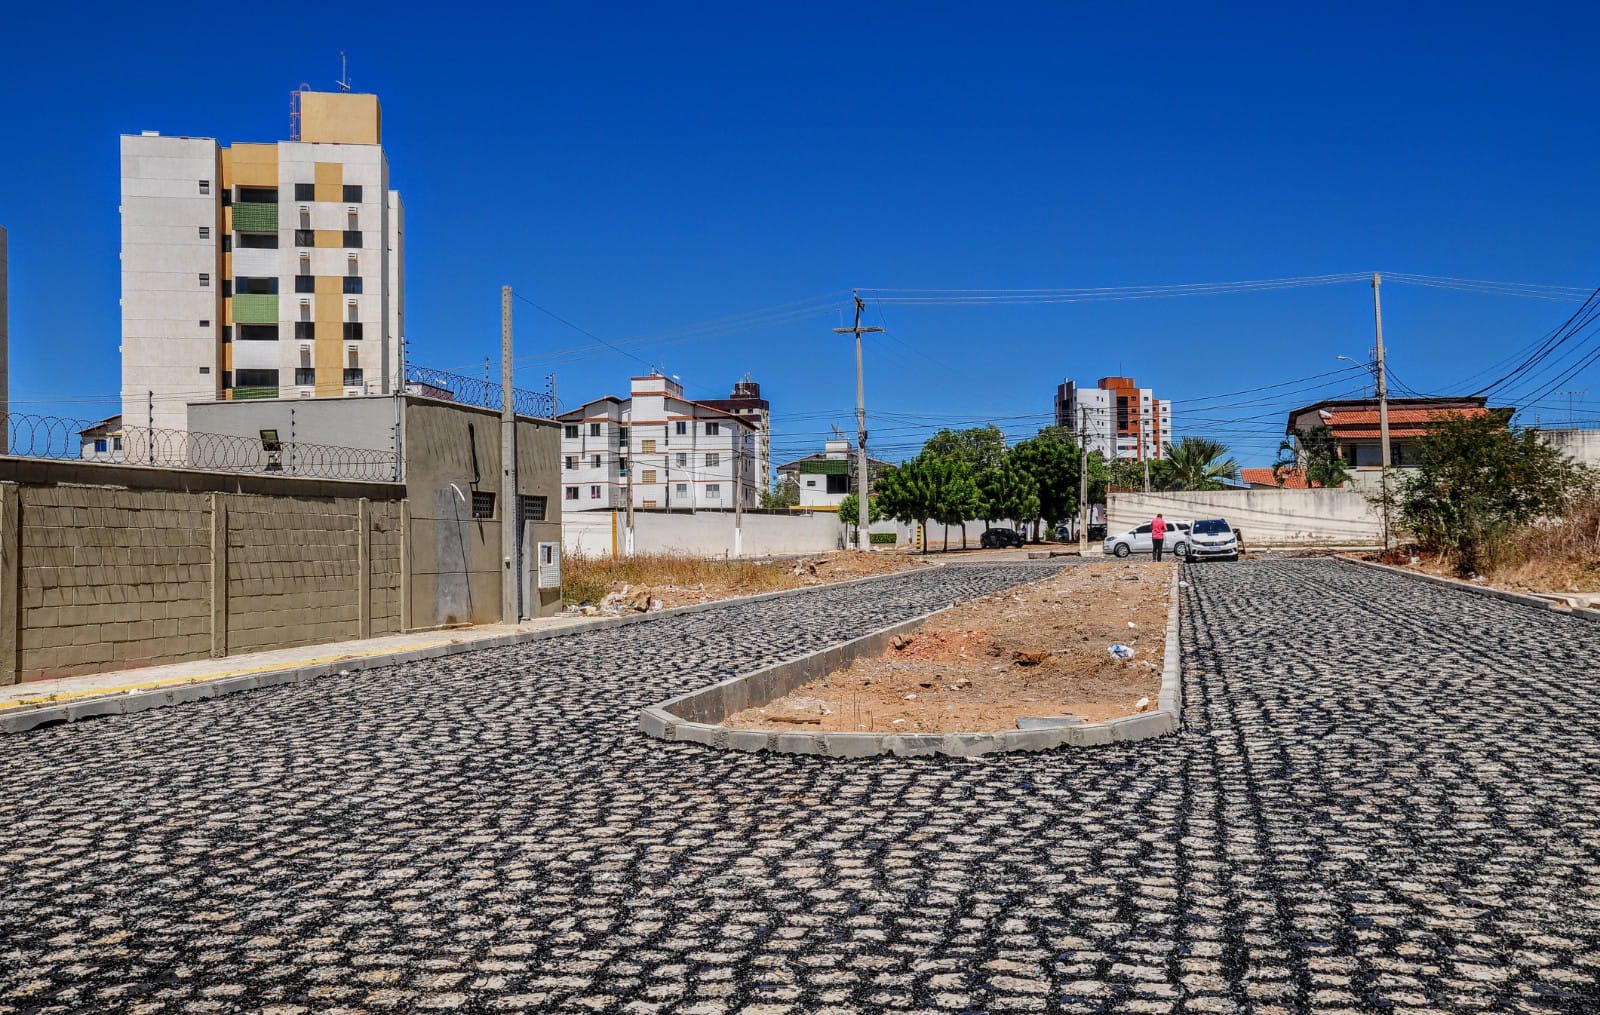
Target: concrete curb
{"type": "Point", "coordinates": [694, 717]}
{"type": "Point", "coordinates": [20, 719]}
{"type": "Point", "coordinates": [1521, 598]}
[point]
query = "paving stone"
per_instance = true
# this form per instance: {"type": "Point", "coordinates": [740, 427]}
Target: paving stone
{"type": "Point", "coordinates": [1381, 800]}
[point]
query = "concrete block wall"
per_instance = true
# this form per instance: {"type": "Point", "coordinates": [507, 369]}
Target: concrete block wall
{"type": "Point", "coordinates": [1341, 517]}
{"type": "Point", "coordinates": [110, 577]}
{"type": "Point", "coordinates": [101, 577]}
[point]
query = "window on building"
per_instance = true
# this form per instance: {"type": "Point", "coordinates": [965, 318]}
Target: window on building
{"type": "Point", "coordinates": [714, 490]}
{"type": "Point", "coordinates": [594, 462]}
{"type": "Point", "coordinates": [571, 493]}
{"type": "Point", "coordinates": [482, 505]}
{"type": "Point", "coordinates": [305, 376]}
{"type": "Point", "coordinates": [227, 333]}
{"type": "Point", "coordinates": [683, 459]}
{"type": "Point", "coordinates": [647, 476]}
{"type": "Point", "coordinates": [712, 429]}
{"type": "Point", "coordinates": [811, 482]}
{"type": "Point", "coordinates": [305, 283]}
{"type": "Point", "coordinates": [100, 446]}
{"type": "Point", "coordinates": [648, 446]}
{"type": "Point", "coordinates": [305, 192]}
{"type": "Point", "coordinates": [116, 444]}
{"type": "Point", "coordinates": [305, 331]}
{"type": "Point", "coordinates": [256, 378]}
{"type": "Point", "coordinates": [594, 493]}
{"type": "Point", "coordinates": [570, 430]}
{"type": "Point", "coordinates": [649, 503]}
{"type": "Point", "coordinates": [205, 324]}
{"type": "Point", "coordinates": [352, 331]}
{"type": "Point", "coordinates": [352, 284]}
{"type": "Point", "coordinates": [258, 241]}
{"type": "Point", "coordinates": [352, 193]}
{"type": "Point", "coordinates": [305, 237]}
{"type": "Point", "coordinates": [258, 332]}
{"type": "Point", "coordinates": [681, 428]}
{"type": "Point", "coordinates": [532, 508]}
{"type": "Point", "coordinates": [227, 244]}
{"type": "Point", "coordinates": [572, 462]}
{"type": "Point", "coordinates": [256, 286]}
{"type": "Point", "coordinates": [205, 186]}
{"type": "Point", "coordinates": [205, 278]}
{"type": "Point", "coordinates": [258, 195]}
{"type": "Point", "coordinates": [681, 490]}
{"type": "Point", "coordinates": [594, 429]}
{"type": "Point", "coordinates": [352, 237]}
{"type": "Point", "coordinates": [712, 460]}
{"type": "Point", "coordinates": [205, 232]}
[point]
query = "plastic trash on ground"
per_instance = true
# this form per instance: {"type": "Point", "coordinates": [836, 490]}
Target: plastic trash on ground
{"type": "Point", "coordinates": [1122, 652]}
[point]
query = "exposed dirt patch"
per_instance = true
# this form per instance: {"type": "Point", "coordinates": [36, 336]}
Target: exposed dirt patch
{"type": "Point", "coordinates": [1039, 650]}
{"type": "Point", "coordinates": [663, 581]}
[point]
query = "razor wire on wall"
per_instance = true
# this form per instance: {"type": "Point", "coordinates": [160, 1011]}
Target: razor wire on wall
{"type": "Point", "coordinates": [478, 391]}
{"type": "Point", "coordinates": [108, 442]}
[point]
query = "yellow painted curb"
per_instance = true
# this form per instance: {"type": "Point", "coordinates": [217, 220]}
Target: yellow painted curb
{"type": "Point", "coordinates": [45, 699]}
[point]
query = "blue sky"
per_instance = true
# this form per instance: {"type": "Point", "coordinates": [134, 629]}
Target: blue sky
{"type": "Point", "coordinates": [644, 169]}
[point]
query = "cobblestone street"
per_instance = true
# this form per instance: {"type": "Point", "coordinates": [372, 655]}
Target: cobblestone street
{"type": "Point", "coordinates": [1383, 799]}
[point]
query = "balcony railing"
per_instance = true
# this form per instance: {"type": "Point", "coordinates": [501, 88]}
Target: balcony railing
{"type": "Point", "coordinates": [246, 394]}
{"type": "Point", "coordinates": [254, 217]}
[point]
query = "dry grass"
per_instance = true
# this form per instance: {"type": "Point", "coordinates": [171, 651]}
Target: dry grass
{"type": "Point", "coordinates": [1562, 555]}
{"type": "Point", "coordinates": [588, 579]}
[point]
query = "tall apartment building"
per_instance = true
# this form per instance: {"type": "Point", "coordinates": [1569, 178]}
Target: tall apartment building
{"type": "Point", "coordinates": [261, 270]}
{"type": "Point", "coordinates": [746, 401]}
{"type": "Point", "coordinates": [1117, 418]}
{"type": "Point", "coordinates": [684, 454]}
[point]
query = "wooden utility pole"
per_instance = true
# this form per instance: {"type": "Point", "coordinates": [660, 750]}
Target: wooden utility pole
{"type": "Point", "coordinates": [509, 537]}
{"type": "Point", "coordinates": [1383, 412]}
{"type": "Point", "coordinates": [863, 481]}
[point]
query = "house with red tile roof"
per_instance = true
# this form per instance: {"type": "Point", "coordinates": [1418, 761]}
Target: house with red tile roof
{"type": "Point", "coordinates": [1354, 424]}
{"type": "Point", "coordinates": [1264, 479]}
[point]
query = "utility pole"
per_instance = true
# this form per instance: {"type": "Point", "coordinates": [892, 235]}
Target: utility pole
{"type": "Point", "coordinates": [1383, 411]}
{"type": "Point", "coordinates": [509, 537]}
{"type": "Point", "coordinates": [863, 481]}
{"type": "Point", "coordinates": [1083, 485]}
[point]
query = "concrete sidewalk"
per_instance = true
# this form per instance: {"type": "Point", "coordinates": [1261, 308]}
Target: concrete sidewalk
{"type": "Point", "coordinates": [334, 656]}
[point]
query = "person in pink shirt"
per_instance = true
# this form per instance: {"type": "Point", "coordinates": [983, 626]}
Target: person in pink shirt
{"type": "Point", "coordinates": [1158, 535]}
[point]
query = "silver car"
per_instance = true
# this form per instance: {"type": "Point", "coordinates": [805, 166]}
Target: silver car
{"type": "Point", "coordinates": [1175, 542]}
{"type": "Point", "coordinates": [1213, 539]}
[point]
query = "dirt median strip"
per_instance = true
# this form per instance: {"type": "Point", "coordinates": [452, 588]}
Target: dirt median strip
{"type": "Point", "coordinates": [1039, 651]}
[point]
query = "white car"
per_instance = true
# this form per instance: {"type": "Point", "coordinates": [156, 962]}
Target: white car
{"type": "Point", "coordinates": [1213, 538]}
{"type": "Point", "coordinates": [1175, 542]}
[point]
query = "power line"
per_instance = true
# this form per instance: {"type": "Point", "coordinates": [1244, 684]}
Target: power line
{"type": "Point", "coordinates": [582, 331]}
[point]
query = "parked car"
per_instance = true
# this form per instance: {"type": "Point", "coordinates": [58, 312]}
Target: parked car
{"type": "Point", "coordinates": [994, 538]}
{"type": "Point", "coordinates": [1175, 542]}
{"type": "Point", "coordinates": [1213, 538]}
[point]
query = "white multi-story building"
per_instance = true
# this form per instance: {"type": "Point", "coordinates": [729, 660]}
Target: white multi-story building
{"type": "Point", "coordinates": [824, 480]}
{"type": "Point", "coordinates": [1116, 418]}
{"type": "Point", "coordinates": [683, 455]}
{"type": "Point", "coordinates": [261, 270]}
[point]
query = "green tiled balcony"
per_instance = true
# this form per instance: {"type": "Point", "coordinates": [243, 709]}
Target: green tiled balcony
{"type": "Point", "coordinates": [255, 308]}
{"type": "Point", "coordinates": [249, 217]}
{"type": "Point", "coordinates": [244, 394]}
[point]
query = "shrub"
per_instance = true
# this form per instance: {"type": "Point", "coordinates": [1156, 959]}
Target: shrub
{"type": "Point", "coordinates": [882, 537]}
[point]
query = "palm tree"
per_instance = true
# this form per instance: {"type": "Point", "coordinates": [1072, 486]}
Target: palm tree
{"type": "Point", "coordinates": [1317, 452]}
{"type": "Point", "coordinates": [1195, 463]}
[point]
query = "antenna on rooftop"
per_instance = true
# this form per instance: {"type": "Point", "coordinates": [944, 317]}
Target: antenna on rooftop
{"type": "Point", "coordinates": [838, 432]}
{"type": "Point", "coordinates": [344, 73]}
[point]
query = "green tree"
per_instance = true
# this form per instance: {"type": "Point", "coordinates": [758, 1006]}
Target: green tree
{"type": "Point", "coordinates": [1194, 463]}
{"type": "Point", "coordinates": [1315, 449]}
{"type": "Point", "coordinates": [785, 494]}
{"type": "Point", "coordinates": [1476, 478]}
{"type": "Point", "coordinates": [1009, 492]}
{"type": "Point", "coordinates": [1051, 460]}
{"type": "Point", "coordinates": [926, 489]}
{"type": "Point", "coordinates": [982, 447]}
{"type": "Point", "coordinates": [850, 511]}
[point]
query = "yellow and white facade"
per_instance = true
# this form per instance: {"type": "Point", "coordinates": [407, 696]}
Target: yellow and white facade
{"type": "Point", "coordinates": [261, 270]}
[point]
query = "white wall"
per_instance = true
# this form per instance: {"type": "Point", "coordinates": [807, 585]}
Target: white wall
{"type": "Point", "coordinates": [1580, 445]}
{"type": "Point", "coordinates": [708, 534]}
{"type": "Point", "coordinates": [1267, 517]}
